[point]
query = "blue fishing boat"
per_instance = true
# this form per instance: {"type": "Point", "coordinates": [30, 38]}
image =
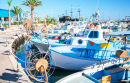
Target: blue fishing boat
{"type": "Point", "coordinates": [114, 70]}
{"type": "Point", "coordinates": [80, 57]}
{"type": "Point", "coordinates": [116, 73]}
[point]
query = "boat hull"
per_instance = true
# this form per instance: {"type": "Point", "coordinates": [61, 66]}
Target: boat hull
{"type": "Point", "coordinates": [69, 63]}
{"type": "Point", "coordinates": [41, 47]}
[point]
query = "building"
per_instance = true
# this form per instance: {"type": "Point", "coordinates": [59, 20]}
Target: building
{"type": "Point", "coordinates": [4, 15]}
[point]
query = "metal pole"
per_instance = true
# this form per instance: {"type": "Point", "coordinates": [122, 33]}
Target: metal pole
{"type": "Point", "coordinates": [125, 43]}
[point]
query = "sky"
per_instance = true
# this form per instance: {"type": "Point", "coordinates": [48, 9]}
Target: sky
{"type": "Point", "coordinates": [108, 9]}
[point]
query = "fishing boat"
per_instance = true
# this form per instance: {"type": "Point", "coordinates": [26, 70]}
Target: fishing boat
{"type": "Point", "coordinates": [107, 73]}
{"type": "Point", "coordinates": [80, 57]}
{"type": "Point", "coordinates": [114, 70]}
{"type": "Point", "coordinates": [80, 39]}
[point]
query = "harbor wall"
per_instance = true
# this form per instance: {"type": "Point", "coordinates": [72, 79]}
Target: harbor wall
{"type": "Point", "coordinates": [17, 41]}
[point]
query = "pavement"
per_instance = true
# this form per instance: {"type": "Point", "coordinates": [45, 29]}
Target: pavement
{"type": "Point", "coordinates": [8, 64]}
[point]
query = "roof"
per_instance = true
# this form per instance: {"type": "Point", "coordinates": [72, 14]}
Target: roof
{"type": "Point", "coordinates": [120, 33]}
{"type": "Point", "coordinates": [4, 13]}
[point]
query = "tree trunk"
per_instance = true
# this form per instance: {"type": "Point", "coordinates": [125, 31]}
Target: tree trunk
{"type": "Point", "coordinates": [32, 14]}
{"type": "Point", "coordinates": [18, 19]}
{"type": "Point", "coordinates": [9, 18]}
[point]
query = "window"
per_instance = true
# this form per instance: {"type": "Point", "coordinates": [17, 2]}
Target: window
{"type": "Point", "coordinates": [86, 32]}
{"type": "Point", "coordinates": [55, 31]}
{"type": "Point", "coordinates": [93, 34]}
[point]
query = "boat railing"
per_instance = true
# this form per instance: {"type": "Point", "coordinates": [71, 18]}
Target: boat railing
{"type": "Point", "coordinates": [107, 62]}
{"type": "Point", "coordinates": [99, 54]}
{"type": "Point", "coordinates": [104, 56]}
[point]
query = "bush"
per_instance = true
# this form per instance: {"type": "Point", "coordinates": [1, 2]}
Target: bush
{"type": "Point", "coordinates": [20, 22]}
{"type": "Point", "coordinates": [55, 23]}
{"type": "Point", "coordinates": [41, 21]}
{"type": "Point", "coordinates": [5, 26]}
{"type": "Point", "coordinates": [15, 23]}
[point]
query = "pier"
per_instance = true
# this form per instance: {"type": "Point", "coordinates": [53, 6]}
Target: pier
{"type": "Point", "coordinates": [10, 71]}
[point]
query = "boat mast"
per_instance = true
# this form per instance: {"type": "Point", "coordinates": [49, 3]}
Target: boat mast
{"type": "Point", "coordinates": [66, 12]}
{"type": "Point", "coordinates": [79, 12]}
{"type": "Point", "coordinates": [71, 11]}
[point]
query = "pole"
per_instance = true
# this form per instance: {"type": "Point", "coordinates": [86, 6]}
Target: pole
{"type": "Point", "coordinates": [125, 43]}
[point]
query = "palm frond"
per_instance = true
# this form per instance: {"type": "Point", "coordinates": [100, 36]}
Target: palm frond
{"type": "Point", "coordinates": [16, 10]}
{"type": "Point", "coordinates": [32, 3]}
{"type": "Point", "coordinates": [9, 2]}
{"type": "Point", "coordinates": [26, 4]}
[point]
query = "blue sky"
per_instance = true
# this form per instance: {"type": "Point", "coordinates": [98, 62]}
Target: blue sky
{"type": "Point", "coordinates": [116, 9]}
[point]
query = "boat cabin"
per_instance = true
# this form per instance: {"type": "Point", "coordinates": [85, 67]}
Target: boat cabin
{"type": "Point", "coordinates": [88, 35]}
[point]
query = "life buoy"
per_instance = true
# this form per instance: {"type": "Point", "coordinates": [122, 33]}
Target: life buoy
{"type": "Point", "coordinates": [80, 41]}
{"type": "Point", "coordinates": [92, 25]}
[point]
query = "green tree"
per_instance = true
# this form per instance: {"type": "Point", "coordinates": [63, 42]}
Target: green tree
{"type": "Point", "coordinates": [32, 4]}
{"type": "Point", "coordinates": [55, 21]}
{"type": "Point", "coordinates": [9, 4]}
{"type": "Point", "coordinates": [50, 20]}
{"type": "Point", "coordinates": [47, 20]}
{"type": "Point", "coordinates": [16, 11]}
{"type": "Point", "coordinates": [35, 18]}
{"type": "Point", "coordinates": [38, 18]}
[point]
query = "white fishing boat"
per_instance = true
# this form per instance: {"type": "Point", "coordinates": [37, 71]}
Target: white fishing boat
{"type": "Point", "coordinates": [114, 70]}
{"type": "Point", "coordinates": [80, 57]}
{"type": "Point", "coordinates": [80, 39]}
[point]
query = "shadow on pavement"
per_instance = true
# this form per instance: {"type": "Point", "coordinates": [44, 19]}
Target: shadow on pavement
{"type": "Point", "coordinates": [9, 77]}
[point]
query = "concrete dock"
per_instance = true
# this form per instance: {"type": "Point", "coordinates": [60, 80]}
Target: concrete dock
{"type": "Point", "coordinates": [8, 64]}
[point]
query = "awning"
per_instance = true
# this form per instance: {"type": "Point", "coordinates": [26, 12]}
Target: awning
{"type": "Point", "coordinates": [4, 13]}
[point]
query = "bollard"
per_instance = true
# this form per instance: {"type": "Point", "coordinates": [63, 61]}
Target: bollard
{"type": "Point", "coordinates": [6, 44]}
{"type": "Point", "coordinates": [18, 67]}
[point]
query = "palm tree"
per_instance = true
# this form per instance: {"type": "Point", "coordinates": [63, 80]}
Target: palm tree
{"type": "Point", "coordinates": [32, 4]}
{"type": "Point", "coordinates": [16, 11]}
{"type": "Point", "coordinates": [35, 18]}
{"type": "Point", "coordinates": [55, 21]}
{"type": "Point", "coordinates": [38, 18]}
{"type": "Point", "coordinates": [9, 4]}
{"type": "Point", "coordinates": [47, 20]}
{"type": "Point", "coordinates": [51, 20]}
